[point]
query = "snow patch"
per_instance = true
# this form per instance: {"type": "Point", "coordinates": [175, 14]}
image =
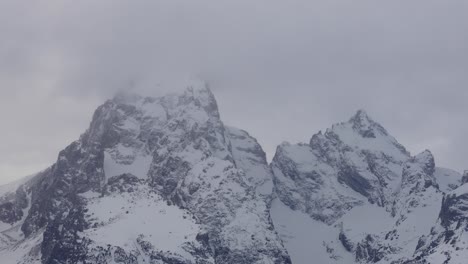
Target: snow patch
{"type": "Point", "coordinates": [121, 218]}
{"type": "Point", "coordinates": [307, 239]}
{"type": "Point", "coordinates": [139, 167]}
{"type": "Point", "coordinates": [447, 179]}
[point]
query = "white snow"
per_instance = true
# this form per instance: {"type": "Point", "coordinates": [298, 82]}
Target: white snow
{"type": "Point", "coordinates": [460, 190]}
{"type": "Point", "coordinates": [26, 251]}
{"type": "Point", "coordinates": [139, 167]}
{"type": "Point", "coordinates": [447, 179]}
{"type": "Point", "coordinates": [154, 110]}
{"type": "Point", "coordinates": [366, 219]}
{"type": "Point", "coordinates": [419, 221]}
{"type": "Point", "coordinates": [130, 124]}
{"type": "Point", "coordinates": [122, 218]}
{"type": "Point", "coordinates": [255, 167]}
{"type": "Point", "coordinates": [306, 239]}
{"type": "Point", "coordinates": [381, 143]}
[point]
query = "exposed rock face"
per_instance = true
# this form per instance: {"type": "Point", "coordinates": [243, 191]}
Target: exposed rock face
{"type": "Point", "coordinates": [153, 180]}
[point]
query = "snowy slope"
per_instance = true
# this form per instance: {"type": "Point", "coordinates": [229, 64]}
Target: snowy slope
{"type": "Point", "coordinates": [126, 220]}
{"type": "Point", "coordinates": [447, 241]}
{"type": "Point", "coordinates": [308, 240]}
{"type": "Point", "coordinates": [447, 179]}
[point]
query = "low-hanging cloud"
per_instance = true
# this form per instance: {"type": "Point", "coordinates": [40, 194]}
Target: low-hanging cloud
{"type": "Point", "coordinates": [281, 70]}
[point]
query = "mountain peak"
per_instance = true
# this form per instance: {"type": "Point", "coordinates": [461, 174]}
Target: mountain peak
{"type": "Point", "coordinates": [125, 96]}
{"type": "Point", "coordinates": [200, 90]}
{"type": "Point", "coordinates": [365, 125]}
{"type": "Point", "coordinates": [189, 92]}
{"type": "Point", "coordinates": [200, 94]}
{"type": "Point", "coordinates": [361, 114]}
{"type": "Point", "coordinates": [192, 88]}
{"type": "Point", "coordinates": [361, 132]}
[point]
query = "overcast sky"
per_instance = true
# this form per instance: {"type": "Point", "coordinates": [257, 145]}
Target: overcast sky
{"type": "Point", "coordinates": [282, 70]}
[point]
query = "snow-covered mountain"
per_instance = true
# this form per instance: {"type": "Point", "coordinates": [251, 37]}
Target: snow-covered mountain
{"type": "Point", "coordinates": [163, 180]}
{"type": "Point", "coordinates": [355, 195]}
{"type": "Point", "coordinates": [153, 180]}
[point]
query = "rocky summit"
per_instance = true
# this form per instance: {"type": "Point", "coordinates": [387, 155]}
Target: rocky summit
{"type": "Point", "coordinates": [165, 181]}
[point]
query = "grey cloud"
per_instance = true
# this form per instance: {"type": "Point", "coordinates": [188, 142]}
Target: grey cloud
{"type": "Point", "coordinates": [281, 70]}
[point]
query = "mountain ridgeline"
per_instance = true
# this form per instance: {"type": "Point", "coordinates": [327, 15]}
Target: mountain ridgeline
{"type": "Point", "coordinates": [164, 181]}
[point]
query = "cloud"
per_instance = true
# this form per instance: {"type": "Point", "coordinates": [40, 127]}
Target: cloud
{"type": "Point", "coordinates": [281, 70]}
